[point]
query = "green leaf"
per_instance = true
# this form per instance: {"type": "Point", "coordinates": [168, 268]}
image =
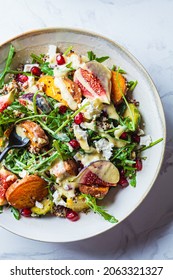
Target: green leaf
{"type": "Point", "coordinates": [92, 56]}
{"type": "Point", "coordinates": [7, 66]}
{"type": "Point", "coordinates": [151, 145]}
{"type": "Point", "coordinates": [91, 202]}
{"type": "Point", "coordinates": [15, 213]}
{"type": "Point", "coordinates": [46, 69]}
{"type": "Point", "coordinates": [131, 85]}
{"type": "Point", "coordinates": [1, 209]}
{"type": "Point", "coordinates": [68, 50]}
{"type": "Point", "coordinates": [101, 59]}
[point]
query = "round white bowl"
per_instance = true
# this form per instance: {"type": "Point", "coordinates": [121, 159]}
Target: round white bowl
{"type": "Point", "coordinates": [118, 203]}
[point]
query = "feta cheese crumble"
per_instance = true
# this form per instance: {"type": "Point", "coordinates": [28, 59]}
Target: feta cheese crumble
{"type": "Point", "coordinates": [105, 147]}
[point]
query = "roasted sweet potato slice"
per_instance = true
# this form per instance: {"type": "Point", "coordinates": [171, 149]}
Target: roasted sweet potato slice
{"type": "Point", "coordinates": [119, 87]}
{"type": "Point", "coordinates": [96, 191]}
{"type": "Point", "coordinates": [25, 192]}
{"type": "Point", "coordinates": [38, 138]}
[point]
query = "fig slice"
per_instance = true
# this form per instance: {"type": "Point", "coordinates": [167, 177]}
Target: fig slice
{"type": "Point", "coordinates": [25, 192]}
{"type": "Point", "coordinates": [101, 172]}
{"type": "Point", "coordinates": [94, 81]}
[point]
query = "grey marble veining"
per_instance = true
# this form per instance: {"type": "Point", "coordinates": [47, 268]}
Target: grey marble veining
{"type": "Point", "coordinates": [145, 29]}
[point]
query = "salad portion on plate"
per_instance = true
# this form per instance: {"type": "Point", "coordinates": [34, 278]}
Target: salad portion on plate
{"type": "Point", "coordinates": [85, 134]}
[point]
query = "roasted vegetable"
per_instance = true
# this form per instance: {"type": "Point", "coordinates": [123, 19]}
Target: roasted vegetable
{"type": "Point", "coordinates": [50, 89]}
{"type": "Point", "coordinates": [37, 136]}
{"type": "Point", "coordinates": [25, 192]}
{"type": "Point", "coordinates": [95, 191]}
{"type": "Point", "coordinates": [47, 207]}
{"type": "Point", "coordinates": [77, 204]}
{"type": "Point", "coordinates": [119, 87]}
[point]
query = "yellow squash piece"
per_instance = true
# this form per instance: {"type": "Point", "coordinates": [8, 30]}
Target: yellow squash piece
{"type": "Point", "coordinates": [47, 207]}
{"type": "Point", "coordinates": [78, 204]}
{"type": "Point", "coordinates": [50, 89]}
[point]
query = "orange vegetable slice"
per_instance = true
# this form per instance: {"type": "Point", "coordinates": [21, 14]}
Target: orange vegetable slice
{"type": "Point", "coordinates": [50, 89]}
{"type": "Point", "coordinates": [119, 87]}
{"type": "Point", "coordinates": [25, 192]}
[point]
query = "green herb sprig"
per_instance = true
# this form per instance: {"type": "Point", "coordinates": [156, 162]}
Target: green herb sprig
{"type": "Point", "coordinates": [91, 202]}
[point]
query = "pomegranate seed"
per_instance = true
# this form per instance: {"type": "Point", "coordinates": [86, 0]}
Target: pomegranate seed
{"type": "Point", "coordinates": [136, 138]}
{"type": "Point", "coordinates": [124, 136]}
{"type": "Point", "coordinates": [79, 118]}
{"type": "Point", "coordinates": [72, 215]}
{"type": "Point", "coordinates": [60, 59]}
{"type": "Point", "coordinates": [36, 71]}
{"type": "Point", "coordinates": [123, 182]}
{"type": "Point", "coordinates": [21, 78]}
{"type": "Point", "coordinates": [62, 109]}
{"type": "Point", "coordinates": [26, 212]}
{"type": "Point", "coordinates": [74, 143]}
{"type": "Point", "coordinates": [138, 164]}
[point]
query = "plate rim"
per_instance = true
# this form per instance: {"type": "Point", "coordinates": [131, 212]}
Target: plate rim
{"type": "Point", "coordinates": [154, 90]}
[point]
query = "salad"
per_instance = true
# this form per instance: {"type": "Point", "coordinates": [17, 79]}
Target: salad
{"type": "Point", "coordinates": [85, 134]}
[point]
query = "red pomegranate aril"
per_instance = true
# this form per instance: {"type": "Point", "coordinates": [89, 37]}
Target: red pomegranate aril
{"type": "Point", "coordinates": [124, 136]}
{"type": "Point", "coordinates": [60, 59]}
{"type": "Point", "coordinates": [62, 109]}
{"type": "Point", "coordinates": [138, 164]}
{"type": "Point", "coordinates": [21, 78]}
{"type": "Point", "coordinates": [74, 143]}
{"type": "Point", "coordinates": [36, 71]}
{"type": "Point", "coordinates": [136, 138]}
{"type": "Point", "coordinates": [79, 118]}
{"type": "Point", "coordinates": [26, 212]}
{"type": "Point", "coordinates": [123, 182]}
{"type": "Point", "coordinates": [72, 215]}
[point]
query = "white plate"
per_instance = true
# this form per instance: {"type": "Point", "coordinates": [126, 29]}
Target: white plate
{"type": "Point", "coordinates": [119, 203]}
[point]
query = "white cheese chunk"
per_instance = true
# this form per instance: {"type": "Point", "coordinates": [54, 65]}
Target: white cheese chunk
{"type": "Point", "coordinates": [105, 147]}
{"type": "Point", "coordinates": [51, 54]}
{"type": "Point", "coordinates": [145, 140]}
{"type": "Point", "coordinates": [39, 205]}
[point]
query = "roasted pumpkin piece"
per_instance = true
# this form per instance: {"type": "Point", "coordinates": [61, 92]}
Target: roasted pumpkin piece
{"type": "Point", "coordinates": [95, 191]}
{"type": "Point", "coordinates": [38, 138]}
{"type": "Point", "coordinates": [50, 89]}
{"type": "Point", "coordinates": [119, 87]}
{"type": "Point", "coordinates": [77, 204]}
{"type": "Point", "coordinates": [25, 192]}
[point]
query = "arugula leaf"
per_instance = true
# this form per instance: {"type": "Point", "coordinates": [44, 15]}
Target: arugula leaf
{"type": "Point", "coordinates": [15, 213]}
{"type": "Point", "coordinates": [1, 209]}
{"type": "Point", "coordinates": [92, 56]}
{"type": "Point", "coordinates": [7, 66]}
{"type": "Point", "coordinates": [150, 145]}
{"type": "Point", "coordinates": [131, 85]}
{"type": "Point", "coordinates": [91, 202]}
{"type": "Point", "coordinates": [46, 69]}
{"type": "Point", "coordinates": [68, 50]}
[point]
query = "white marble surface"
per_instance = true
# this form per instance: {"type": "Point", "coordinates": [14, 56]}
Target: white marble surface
{"type": "Point", "coordinates": [144, 27]}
